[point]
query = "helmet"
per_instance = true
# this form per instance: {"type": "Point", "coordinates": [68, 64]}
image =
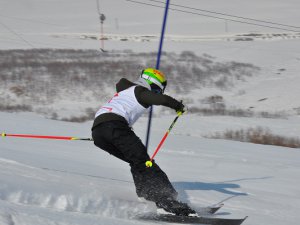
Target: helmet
{"type": "Point", "coordinates": [155, 78]}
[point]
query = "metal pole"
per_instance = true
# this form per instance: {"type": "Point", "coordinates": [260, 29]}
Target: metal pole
{"type": "Point", "coordinates": [102, 18]}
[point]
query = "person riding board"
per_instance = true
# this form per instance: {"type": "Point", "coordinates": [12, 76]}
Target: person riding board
{"type": "Point", "coordinates": [112, 132]}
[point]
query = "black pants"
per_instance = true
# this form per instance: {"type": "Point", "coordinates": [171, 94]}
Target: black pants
{"type": "Point", "coordinates": [117, 138]}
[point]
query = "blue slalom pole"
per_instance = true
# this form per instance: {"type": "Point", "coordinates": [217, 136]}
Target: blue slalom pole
{"type": "Point", "coordinates": [157, 66]}
{"type": "Point", "coordinates": [162, 35]}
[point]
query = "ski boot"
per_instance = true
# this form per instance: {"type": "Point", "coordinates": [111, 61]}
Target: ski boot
{"type": "Point", "coordinates": [175, 207]}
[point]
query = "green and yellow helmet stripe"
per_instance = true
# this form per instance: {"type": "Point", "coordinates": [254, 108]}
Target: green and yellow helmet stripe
{"type": "Point", "coordinates": [154, 76]}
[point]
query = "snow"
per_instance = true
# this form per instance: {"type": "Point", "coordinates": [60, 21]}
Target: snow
{"type": "Point", "coordinates": [73, 182]}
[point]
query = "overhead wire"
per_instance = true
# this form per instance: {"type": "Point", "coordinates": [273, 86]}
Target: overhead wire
{"type": "Point", "coordinates": [19, 39]}
{"type": "Point", "coordinates": [237, 20]}
{"type": "Point", "coordinates": [18, 35]}
{"type": "Point", "coordinates": [217, 17]}
{"type": "Point", "coordinates": [30, 20]}
{"type": "Point", "coordinates": [229, 15]}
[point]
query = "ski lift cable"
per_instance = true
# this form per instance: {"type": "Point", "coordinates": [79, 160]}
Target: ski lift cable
{"type": "Point", "coordinates": [19, 38]}
{"type": "Point", "coordinates": [36, 43]}
{"type": "Point", "coordinates": [217, 17]}
{"type": "Point", "coordinates": [229, 15]}
{"type": "Point", "coordinates": [30, 20]}
{"type": "Point", "coordinates": [18, 35]}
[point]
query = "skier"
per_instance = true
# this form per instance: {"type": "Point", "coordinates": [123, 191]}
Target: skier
{"type": "Point", "coordinates": [112, 132]}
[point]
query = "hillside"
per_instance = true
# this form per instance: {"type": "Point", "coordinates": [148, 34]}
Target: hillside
{"type": "Point", "coordinates": [73, 83]}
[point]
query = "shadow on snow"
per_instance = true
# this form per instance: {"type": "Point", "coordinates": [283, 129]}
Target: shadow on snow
{"type": "Point", "coordinates": [224, 187]}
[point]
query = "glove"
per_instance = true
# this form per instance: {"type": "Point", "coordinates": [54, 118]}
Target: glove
{"type": "Point", "coordinates": [181, 108]}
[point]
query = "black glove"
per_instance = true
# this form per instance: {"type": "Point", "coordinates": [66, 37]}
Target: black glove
{"type": "Point", "coordinates": [180, 108]}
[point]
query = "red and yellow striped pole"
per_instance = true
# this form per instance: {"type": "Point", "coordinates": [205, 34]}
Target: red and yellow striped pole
{"type": "Point", "coordinates": [46, 137]}
{"type": "Point", "coordinates": [149, 162]}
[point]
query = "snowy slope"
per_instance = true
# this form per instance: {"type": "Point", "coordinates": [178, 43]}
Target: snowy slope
{"type": "Point", "coordinates": [60, 182]}
{"type": "Point", "coordinates": [65, 182]}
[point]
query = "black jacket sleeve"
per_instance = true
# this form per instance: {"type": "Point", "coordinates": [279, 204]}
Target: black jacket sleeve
{"type": "Point", "coordinates": [123, 84]}
{"type": "Point", "coordinates": [147, 98]}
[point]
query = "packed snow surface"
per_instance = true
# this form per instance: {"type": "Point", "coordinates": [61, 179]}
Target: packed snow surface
{"type": "Point", "coordinates": [74, 182]}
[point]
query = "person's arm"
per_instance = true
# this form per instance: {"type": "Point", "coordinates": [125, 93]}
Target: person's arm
{"type": "Point", "coordinates": [147, 98]}
{"type": "Point", "coordinates": [123, 84]}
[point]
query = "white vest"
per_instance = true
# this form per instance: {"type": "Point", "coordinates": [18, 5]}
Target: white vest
{"type": "Point", "coordinates": [124, 104]}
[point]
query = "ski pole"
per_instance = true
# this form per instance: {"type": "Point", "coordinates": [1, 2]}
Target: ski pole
{"type": "Point", "coordinates": [46, 137]}
{"type": "Point", "coordinates": [149, 162]}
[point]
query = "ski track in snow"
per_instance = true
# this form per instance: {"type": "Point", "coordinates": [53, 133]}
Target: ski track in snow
{"type": "Point", "coordinates": [24, 187]}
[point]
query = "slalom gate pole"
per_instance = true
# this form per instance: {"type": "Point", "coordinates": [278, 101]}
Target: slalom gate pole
{"type": "Point", "coordinates": [149, 163]}
{"type": "Point", "coordinates": [46, 137]}
{"type": "Point", "coordinates": [157, 67]}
